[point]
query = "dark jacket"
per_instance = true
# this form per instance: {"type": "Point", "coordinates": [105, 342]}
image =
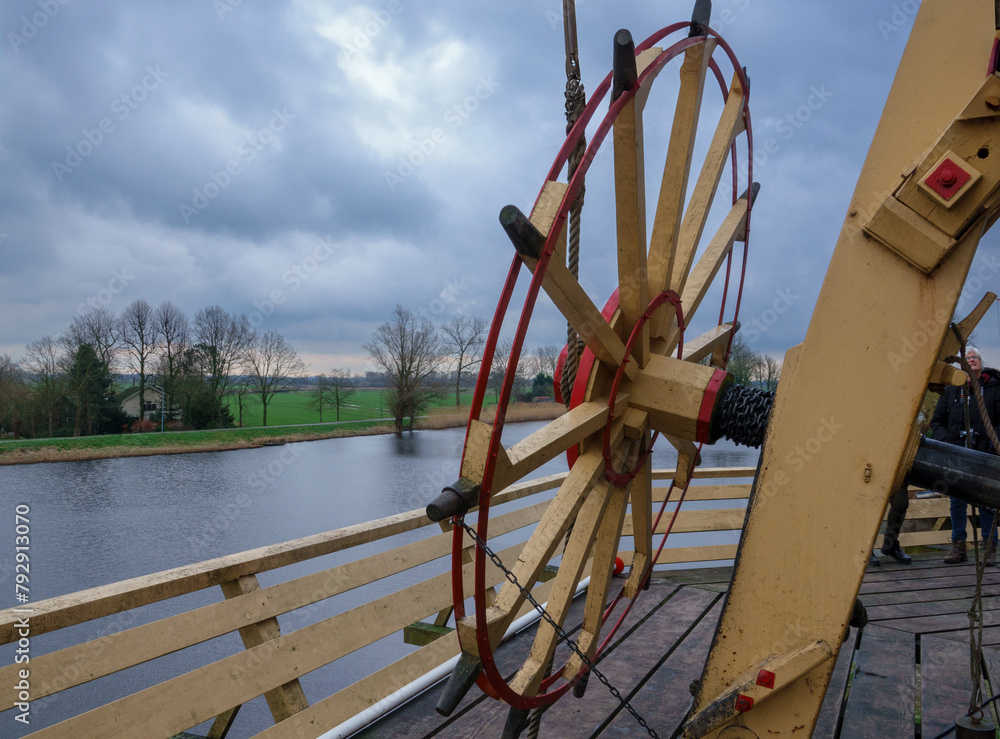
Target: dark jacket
{"type": "Point", "coordinates": [948, 421]}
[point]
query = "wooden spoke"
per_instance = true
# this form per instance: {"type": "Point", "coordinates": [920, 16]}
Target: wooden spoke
{"type": "Point", "coordinates": [571, 569]}
{"type": "Point", "coordinates": [630, 209]}
{"type": "Point", "coordinates": [605, 549]}
{"type": "Point", "coordinates": [566, 431]}
{"type": "Point", "coordinates": [708, 265]}
{"type": "Point", "coordinates": [673, 188]}
{"type": "Point", "coordinates": [708, 183]}
{"type": "Point", "coordinates": [630, 196]}
{"type": "Point", "coordinates": [641, 499]}
{"type": "Point", "coordinates": [574, 303]}
{"type": "Point", "coordinates": [697, 349]}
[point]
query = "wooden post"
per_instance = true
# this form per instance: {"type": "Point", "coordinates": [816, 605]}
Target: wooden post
{"type": "Point", "coordinates": [286, 699]}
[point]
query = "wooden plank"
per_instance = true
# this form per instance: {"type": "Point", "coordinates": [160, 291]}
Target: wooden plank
{"type": "Point", "coordinates": [664, 698]}
{"type": "Point", "coordinates": [941, 595]}
{"type": "Point", "coordinates": [886, 659]}
{"type": "Point", "coordinates": [684, 555]}
{"type": "Point", "coordinates": [66, 610]}
{"type": "Point", "coordinates": [921, 607]}
{"type": "Point", "coordinates": [631, 665]}
{"type": "Point", "coordinates": [716, 519]}
{"type": "Point", "coordinates": [829, 712]}
{"type": "Point", "coordinates": [939, 623]}
{"type": "Point", "coordinates": [206, 692]}
{"type": "Point", "coordinates": [709, 473]}
{"type": "Point", "coordinates": [707, 492]}
{"type": "Point", "coordinates": [342, 705]}
{"type": "Point", "coordinates": [79, 664]}
{"type": "Point", "coordinates": [945, 683]}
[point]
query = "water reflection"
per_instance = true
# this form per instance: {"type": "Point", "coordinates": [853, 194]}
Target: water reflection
{"type": "Point", "coordinates": [102, 521]}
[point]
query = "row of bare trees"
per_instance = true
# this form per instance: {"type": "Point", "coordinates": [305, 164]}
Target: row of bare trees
{"type": "Point", "coordinates": [413, 352]}
{"type": "Point", "coordinates": [64, 384]}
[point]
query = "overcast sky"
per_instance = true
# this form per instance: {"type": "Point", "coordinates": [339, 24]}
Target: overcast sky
{"type": "Point", "coordinates": [311, 164]}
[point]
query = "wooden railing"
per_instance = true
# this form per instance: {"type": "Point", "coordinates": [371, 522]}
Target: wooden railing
{"type": "Point", "coordinates": [272, 663]}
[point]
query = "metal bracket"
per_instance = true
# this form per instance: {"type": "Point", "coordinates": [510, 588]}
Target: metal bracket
{"type": "Point", "coordinates": [947, 191]}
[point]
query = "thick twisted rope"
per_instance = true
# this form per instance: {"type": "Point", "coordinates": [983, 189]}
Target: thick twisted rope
{"type": "Point", "coordinates": [576, 100]}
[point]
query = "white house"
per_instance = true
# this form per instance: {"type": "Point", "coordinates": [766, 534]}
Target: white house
{"type": "Point", "coordinates": [153, 402]}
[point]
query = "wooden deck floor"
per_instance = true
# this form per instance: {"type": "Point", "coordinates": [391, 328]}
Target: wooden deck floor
{"type": "Point", "coordinates": [909, 673]}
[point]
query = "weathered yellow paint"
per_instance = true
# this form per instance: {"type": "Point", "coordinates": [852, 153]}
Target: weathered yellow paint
{"type": "Point", "coordinates": [813, 515]}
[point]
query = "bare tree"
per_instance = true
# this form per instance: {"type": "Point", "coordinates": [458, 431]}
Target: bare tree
{"type": "Point", "coordinates": [501, 360]}
{"type": "Point", "coordinates": [272, 364]}
{"type": "Point", "coordinates": [544, 360]}
{"type": "Point", "coordinates": [42, 361]}
{"type": "Point", "coordinates": [99, 328]}
{"type": "Point", "coordinates": [244, 391]}
{"type": "Point", "coordinates": [320, 395]}
{"type": "Point", "coordinates": [139, 334]}
{"type": "Point", "coordinates": [742, 361]}
{"type": "Point", "coordinates": [332, 391]}
{"type": "Point", "coordinates": [462, 340]}
{"type": "Point", "coordinates": [175, 330]}
{"type": "Point", "coordinates": [13, 395]}
{"type": "Point", "coordinates": [407, 348]}
{"type": "Point", "coordinates": [222, 338]}
{"type": "Point", "coordinates": [341, 388]}
{"type": "Point", "coordinates": [767, 371]}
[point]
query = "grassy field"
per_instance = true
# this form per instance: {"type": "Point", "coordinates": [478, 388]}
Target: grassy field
{"type": "Point", "coordinates": [172, 442]}
{"type": "Point", "coordinates": [293, 408]}
{"type": "Point", "coordinates": [177, 442]}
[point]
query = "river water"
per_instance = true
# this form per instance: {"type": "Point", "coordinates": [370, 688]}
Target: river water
{"type": "Point", "coordinates": [98, 522]}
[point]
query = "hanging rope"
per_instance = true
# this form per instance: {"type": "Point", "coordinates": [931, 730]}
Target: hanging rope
{"type": "Point", "coordinates": [576, 100]}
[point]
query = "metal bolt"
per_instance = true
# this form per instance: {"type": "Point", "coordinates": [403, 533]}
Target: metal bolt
{"type": "Point", "coordinates": [765, 678]}
{"type": "Point", "coordinates": [947, 177]}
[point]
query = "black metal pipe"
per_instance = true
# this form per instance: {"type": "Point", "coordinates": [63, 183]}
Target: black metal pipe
{"type": "Point", "coordinates": [950, 469]}
{"type": "Point", "coordinates": [454, 500]}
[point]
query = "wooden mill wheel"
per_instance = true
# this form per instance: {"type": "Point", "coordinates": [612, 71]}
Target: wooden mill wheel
{"type": "Point", "coordinates": [638, 375]}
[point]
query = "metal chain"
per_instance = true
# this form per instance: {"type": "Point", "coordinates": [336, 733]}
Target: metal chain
{"type": "Point", "coordinates": [557, 628]}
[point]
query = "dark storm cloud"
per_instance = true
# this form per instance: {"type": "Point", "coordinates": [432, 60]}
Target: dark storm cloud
{"type": "Point", "coordinates": [344, 157]}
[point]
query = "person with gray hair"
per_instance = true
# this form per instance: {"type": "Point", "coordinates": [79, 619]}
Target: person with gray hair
{"type": "Point", "coordinates": [957, 420]}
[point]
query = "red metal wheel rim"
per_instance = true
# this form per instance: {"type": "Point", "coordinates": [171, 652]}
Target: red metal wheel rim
{"type": "Point", "coordinates": [490, 680]}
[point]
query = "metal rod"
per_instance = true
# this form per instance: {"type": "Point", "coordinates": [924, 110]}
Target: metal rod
{"type": "Point", "coordinates": [954, 470]}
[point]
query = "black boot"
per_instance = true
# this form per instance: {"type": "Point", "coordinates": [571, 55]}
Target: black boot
{"type": "Point", "coordinates": [897, 553]}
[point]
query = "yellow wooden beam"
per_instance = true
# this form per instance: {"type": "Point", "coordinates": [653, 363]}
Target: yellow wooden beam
{"type": "Point", "coordinates": [676, 169]}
